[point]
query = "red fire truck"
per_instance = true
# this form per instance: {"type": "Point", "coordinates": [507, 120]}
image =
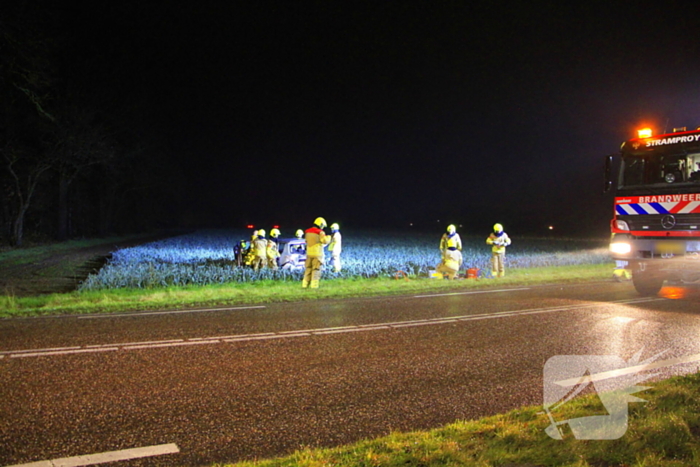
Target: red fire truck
{"type": "Point", "coordinates": [656, 218]}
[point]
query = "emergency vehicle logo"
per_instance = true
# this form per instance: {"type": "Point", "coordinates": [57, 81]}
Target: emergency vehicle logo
{"type": "Point", "coordinates": [566, 376]}
{"type": "Point", "coordinates": [666, 204]}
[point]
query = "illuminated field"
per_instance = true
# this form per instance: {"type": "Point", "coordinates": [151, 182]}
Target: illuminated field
{"type": "Point", "coordinates": [207, 258]}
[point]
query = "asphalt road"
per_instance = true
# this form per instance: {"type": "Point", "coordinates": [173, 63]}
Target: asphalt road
{"type": "Point", "coordinates": [252, 382]}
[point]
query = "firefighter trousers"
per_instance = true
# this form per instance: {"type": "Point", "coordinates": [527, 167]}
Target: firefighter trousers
{"type": "Point", "coordinates": [498, 268]}
{"type": "Point", "coordinates": [312, 272]}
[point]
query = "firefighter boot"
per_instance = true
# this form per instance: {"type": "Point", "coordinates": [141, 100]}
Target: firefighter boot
{"type": "Point", "coordinates": [304, 284]}
{"type": "Point", "coordinates": [314, 284]}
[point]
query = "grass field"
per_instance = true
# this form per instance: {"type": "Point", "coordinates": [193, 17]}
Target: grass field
{"type": "Point", "coordinates": [206, 257]}
{"type": "Point", "coordinates": [267, 291]}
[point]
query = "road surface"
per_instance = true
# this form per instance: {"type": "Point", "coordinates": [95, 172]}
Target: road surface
{"type": "Point", "coordinates": [261, 381]}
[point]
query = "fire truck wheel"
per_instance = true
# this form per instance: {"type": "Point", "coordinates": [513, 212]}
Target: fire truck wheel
{"type": "Point", "coordinates": [647, 283]}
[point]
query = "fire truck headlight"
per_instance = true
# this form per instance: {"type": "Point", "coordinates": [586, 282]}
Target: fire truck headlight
{"type": "Point", "coordinates": [622, 225]}
{"type": "Point", "coordinates": [620, 248]}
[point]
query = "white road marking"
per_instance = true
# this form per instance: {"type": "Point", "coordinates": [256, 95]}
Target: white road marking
{"type": "Point", "coordinates": [630, 370]}
{"type": "Point", "coordinates": [43, 353]}
{"type": "Point", "coordinates": [470, 293]}
{"type": "Point", "coordinates": [171, 312]}
{"type": "Point", "coordinates": [48, 350]}
{"type": "Point", "coordinates": [104, 457]}
{"type": "Point", "coordinates": [302, 332]}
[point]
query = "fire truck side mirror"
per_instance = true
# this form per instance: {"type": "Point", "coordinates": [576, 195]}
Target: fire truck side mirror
{"type": "Point", "coordinates": [608, 173]}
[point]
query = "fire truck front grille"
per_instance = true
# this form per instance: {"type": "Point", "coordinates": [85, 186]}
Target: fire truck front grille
{"type": "Point", "coordinates": [654, 222]}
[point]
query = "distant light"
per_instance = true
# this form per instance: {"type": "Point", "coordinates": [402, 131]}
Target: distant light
{"type": "Point", "coordinates": [250, 226]}
{"type": "Point", "coordinates": [551, 227]}
{"type": "Point", "coordinates": [644, 133]}
{"type": "Point", "coordinates": [410, 224]}
{"type": "Point", "coordinates": [275, 226]}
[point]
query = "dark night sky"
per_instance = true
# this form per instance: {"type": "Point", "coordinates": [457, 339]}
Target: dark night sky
{"type": "Point", "coordinates": [384, 113]}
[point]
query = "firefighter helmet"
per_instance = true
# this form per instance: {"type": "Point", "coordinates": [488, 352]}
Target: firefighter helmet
{"type": "Point", "coordinates": [335, 226]}
{"type": "Point", "coordinates": [261, 233]}
{"type": "Point", "coordinates": [451, 229]}
{"type": "Point", "coordinates": [497, 228]}
{"type": "Point", "coordinates": [274, 233]}
{"type": "Point", "coordinates": [320, 222]}
{"type": "Point", "coordinates": [300, 233]}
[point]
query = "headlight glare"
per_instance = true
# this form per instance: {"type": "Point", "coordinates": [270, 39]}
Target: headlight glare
{"type": "Point", "coordinates": [620, 248]}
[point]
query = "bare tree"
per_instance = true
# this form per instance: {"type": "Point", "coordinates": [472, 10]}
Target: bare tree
{"type": "Point", "coordinates": [26, 82]}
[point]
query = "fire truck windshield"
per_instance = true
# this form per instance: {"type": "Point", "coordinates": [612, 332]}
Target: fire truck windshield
{"type": "Point", "coordinates": [659, 170]}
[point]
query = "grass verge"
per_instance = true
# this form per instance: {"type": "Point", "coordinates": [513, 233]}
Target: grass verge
{"type": "Point", "coordinates": [269, 291]}
{"type": "Point", "coordinates": [32, 254]}
{"type": "Point", "coordinates": [663, 432]}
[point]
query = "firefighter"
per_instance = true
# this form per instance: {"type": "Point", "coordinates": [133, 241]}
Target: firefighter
{"type": "Point", "coordinates": [260, 250]}
{"type": "Point", "coordinates": [316, 239]}
{"type": "Point", "coordinates": [451, 237]}
{"type": "Point", "coordinates": [451, 250]}
{"type": "Point", "coordinates": [240, 249]}
{"type": "Point", "coordinates": [250, 251]}
{"type": "Point", "coordinates": [299, 234]}
{"type": "Point", "coordinates": [273, 251]}
{"type": "Point", "coordinates": [499, 241]}
{"type": "Point", "coordinates": [335, 246]}
{"type": "Point", "coordinates": [621, 273]}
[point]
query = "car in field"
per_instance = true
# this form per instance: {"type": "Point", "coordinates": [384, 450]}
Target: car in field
{"type": "Point", "coordinates": [292, 253]}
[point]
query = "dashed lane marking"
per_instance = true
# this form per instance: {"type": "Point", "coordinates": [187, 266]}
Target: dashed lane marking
{"type": "Point", "coordinates": [170, 312]}
{"type": "Point", "coordinates": [7, 354]}
{"type": "Point", "coordinates": [470, 293]}
{"type": "Point", "coordinates": [104, 457]}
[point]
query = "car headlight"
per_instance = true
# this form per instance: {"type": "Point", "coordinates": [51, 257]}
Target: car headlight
{"type": "Point", "coordinates": [620, 248]}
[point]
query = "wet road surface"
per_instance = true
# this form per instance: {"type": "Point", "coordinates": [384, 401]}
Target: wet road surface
{"type": "Point", "coordinates": [251, 382]}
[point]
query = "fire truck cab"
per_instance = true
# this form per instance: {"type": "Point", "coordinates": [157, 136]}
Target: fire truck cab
{"type": "Point", "coordinates": [656, 216]}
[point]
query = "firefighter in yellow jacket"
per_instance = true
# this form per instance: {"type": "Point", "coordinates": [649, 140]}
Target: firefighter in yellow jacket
{"type": "Point", "coordinates": [451, 237]}
{"type": "Point", "coordinates": [335, 246]}
{"type": "Point", "coordinates": [499, 241]}
{"type": "Point", "coordinates": [260, 250]}
{"type": "Point", "coordinates": [316, 239]}
{"type": "Point", "coordinates": [250, 252]}
{"type": "Point", "coordinates": [451, 249]}
{"type": "Point", "coordinates": [273, 251]}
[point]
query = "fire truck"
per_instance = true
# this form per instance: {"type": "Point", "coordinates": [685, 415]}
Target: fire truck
{"type": "Point", "coordinates": [656, 217]}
